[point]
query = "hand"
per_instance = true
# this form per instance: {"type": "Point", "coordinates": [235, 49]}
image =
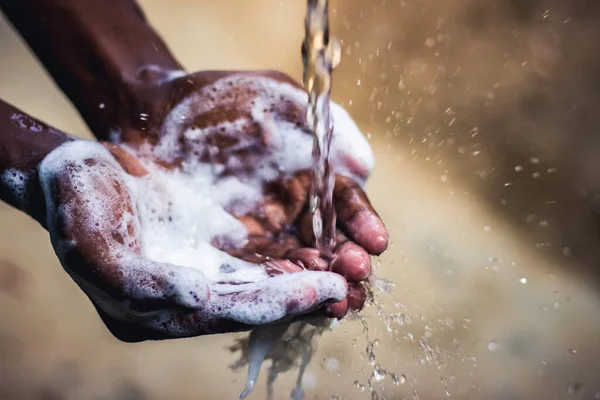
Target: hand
{"type": "Point", "coordinates": [122, 215]}
{"type": "Point", "coordinates": [190, 217]}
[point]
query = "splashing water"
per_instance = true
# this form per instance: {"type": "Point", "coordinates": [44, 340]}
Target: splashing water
{"type": "Point", "coordinates": [259, 343]}
{"type": "Point", "coordinates": [287, 346]}
{"type": "Point", "coordinates": [320, 54]}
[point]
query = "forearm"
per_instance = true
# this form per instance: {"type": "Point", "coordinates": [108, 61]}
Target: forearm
{"type": "Point", "coordinates": [24, 143]}
{"type": "Point", "coordinates": [100, 52]}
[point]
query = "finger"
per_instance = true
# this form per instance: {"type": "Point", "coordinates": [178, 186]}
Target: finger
{"type": "Point", "coordinates": [280, 247]}
{"type": "Point", "coordinates": [337, 310]}
{"type": "Point", "coordinates": [273, 215]}
{"type": "Point", "coordinates": [354, 301]}
{"type": "Point", "coordinates": [357, 217]}
{"type": "Point", "coordinates": [357, 296]}
{"type": "Point", "coordinates": [300, 258]}
{"type": "Point", "coordinates": [265, 246]}
{"type": "Point", "coordinates": [292, 193]}
{"type": "Point", "coordinates": [278, 267]}
{"type": "Point", "coordinates": [273, 299]}
{"type": "Point", "coordinates": [268, 247]}
{"type": "Point", "coordinates": [307, 258]}
{"type": "Point", "coordinates": [257, 244]}
{"type": "Point", "coordinates": [351, 261]}
{"type": "Point", "coordinates": [253, 258]}
{"type": "Point", "coordinates": [157, 298]}
{"type": "Point", "coordinates": [305, 229]}
{"type": "Point", "coordinates": [253, 226]}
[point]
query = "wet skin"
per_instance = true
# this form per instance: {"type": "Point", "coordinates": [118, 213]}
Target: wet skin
{"type": "Point", "coordinates": [127, 86]}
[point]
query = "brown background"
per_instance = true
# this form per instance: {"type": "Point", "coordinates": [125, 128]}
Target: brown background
{"type": "Point", "coordinates": [484, 117]}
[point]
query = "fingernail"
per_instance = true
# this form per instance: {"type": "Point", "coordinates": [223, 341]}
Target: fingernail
{"type": "Point", "coordinates": [380, 244]}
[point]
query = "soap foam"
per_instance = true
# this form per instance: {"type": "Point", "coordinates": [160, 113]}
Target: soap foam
{"type": "Point", "coordinates": [17, 182]}
{"type": "Point", "coordinates": [176, 215]}
{"type": "Point", "coordinates": [262, 101]}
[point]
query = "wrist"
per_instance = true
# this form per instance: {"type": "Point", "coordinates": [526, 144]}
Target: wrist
{"type": "Point", "coordinates": [102, 53]}
{"type": "Point", "coordinates": [24, 143]}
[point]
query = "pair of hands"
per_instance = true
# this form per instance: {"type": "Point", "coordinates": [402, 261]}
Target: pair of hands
{"type": "Point", "coordinates": [153, 122]}
{"type": "Point", "coordinates": [92, 210]}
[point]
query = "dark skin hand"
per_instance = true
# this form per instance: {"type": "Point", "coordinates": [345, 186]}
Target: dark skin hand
{"type": "Point", "coordinates": [126, 85]}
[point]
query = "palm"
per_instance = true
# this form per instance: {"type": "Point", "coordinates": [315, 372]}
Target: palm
{"type": "Point", "coordinates": [194, 220]}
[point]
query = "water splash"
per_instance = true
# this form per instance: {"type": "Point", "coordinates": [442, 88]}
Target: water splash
{"type": "Point", "coordinates": [287, 346]}
{"type": "Point", "coordinates": [260, 341]}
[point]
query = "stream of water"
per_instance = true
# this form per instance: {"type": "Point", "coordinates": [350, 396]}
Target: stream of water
{"type": "Point", "coordinates": [320, 54]}
{"type": "Point", "coordinates": [286, 343]}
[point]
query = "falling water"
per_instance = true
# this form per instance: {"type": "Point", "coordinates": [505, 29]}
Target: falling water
{"type": "Point", "coordinates": [320, 54]}
{"type": "Point", "coordinates": [288, 346]}
{"type": "Point", "coordinates": [284, 342]}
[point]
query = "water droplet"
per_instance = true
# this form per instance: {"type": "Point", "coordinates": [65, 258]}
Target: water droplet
{"type": "Point", "coordinates": [144, 116]}
{"type": "Point", "coordinates": [430, 42]}
{"type": "Point", "coordinates": [519, 168]}
{"type": "Point", "coordinates": [359, 386]}
{"type": "Point", "coordinates": [523, 280]}
{"type": "Point", "coordinates": [378, 374]}
{"type": "Point", "coordinates": [573, 351]}
{"type": "Point", "coordinates": [556, 305]}
{"type": "Point", "coordinates": [297, 394]}
{"type": "Point", "coordinates": [597, 395]}
{"type": "Point", "coordinates": [444, 178]}
{"type": "Point", "coordinates": [487, 228]}
{"type": "Point", "coordinates": [541, 370]}
{"type": "Point", "coordinates": [370, 354]}
{"type": "Point", "coordinates": [493, 346]}
{"type": "Point", "coordinates": [398, 379]}
{"type": "Point", "coordinates": [101, 106]}
{"type": "Point", "coordinates": [566, 251]}
{"type": "Point", "coordinates": [534, 160]}
{"type": "Point", "coordinates": [358, 82]}
{"type": "Point", "coordinates": [332, 364]}
{"type": "Point", "coordinates": [574, 388]}
{"type": "Point", "coordinates": [535, 175]}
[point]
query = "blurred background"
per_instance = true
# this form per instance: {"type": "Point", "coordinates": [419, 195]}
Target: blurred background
{"type": "Point", "coordinates": [484, 117]}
